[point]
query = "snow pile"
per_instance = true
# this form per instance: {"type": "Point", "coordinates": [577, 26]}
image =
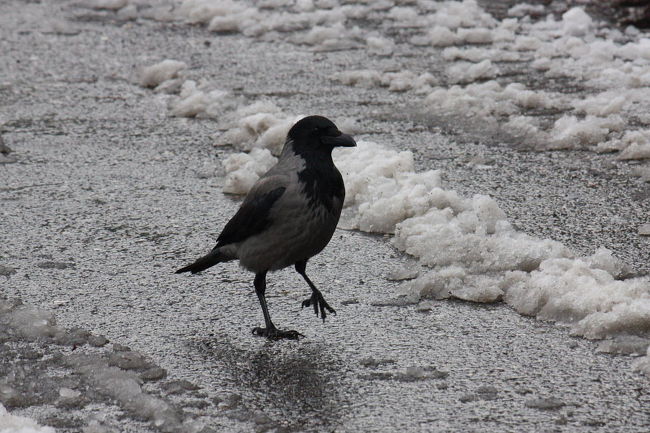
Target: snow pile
{"type": "Point", "coordinates": [386, 191]}
{"type": "Point", "coordinates": [643, 364]}
{"type": "Point", "coordinates": [190, 99]}
{"type": "Point", "coordinates": [523, 9]}
{"type": "Point", "coordinates": [584, 292]}
{"type": "Point", "coordinates": [380, 45]}
{"type": "Point", "coordinates": [30, 322]}
{"type": "Point", "coordinates": [463, 72]}
{"type": "Point", "coordinates": [244, 169]}
{"type": "Point", "coordinates": [490, 102]}
{"type": "Point", "coordinates": [456, 23]}
{"type": "Point", "coordinates": [258, 125]}
{"type": "Point", "coordinates": [198, 100]}
{"type": "Point", "coordinates": [154, 75]}
{"type": "Point", "coordinates": [570, 133]}
{"type": "Point", "coordinates": [125, 387]}
{"type": "Point", "coordinates": [465, 14]}
{"type": "Point", "coordinates": [635, 145]}
{"type": "Point", "coordinates": [19, 424]}
{"type": "Point", "coordinates": [576, 22]}
{"type": "Point", "coordinates": [476, 255]}
{"type": "Point", "coordinates": [477, 55]}
{"type": "Point", "coordinates": [394, 81]}
{"type": "Point", "coordinates": [617, 65]}
{"type": "Point", "coordinates": [323, 28]}
{"type": "Point", "coordinates": [203, 11]}
{"type": "Point", "coordinates": [106, 4]}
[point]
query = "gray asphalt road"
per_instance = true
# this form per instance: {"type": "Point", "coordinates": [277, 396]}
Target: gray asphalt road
{"type": "Point", "coordinates": [108, 196]}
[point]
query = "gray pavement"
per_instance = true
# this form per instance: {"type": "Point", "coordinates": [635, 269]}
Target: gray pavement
{"type": "Point", "coordinates": [105, 201]}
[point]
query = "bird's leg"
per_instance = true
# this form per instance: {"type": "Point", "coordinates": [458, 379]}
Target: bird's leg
{"type": "Point", "coordinates": [316, 299]}
{"type": "Point", "coordinates": [270, 332]}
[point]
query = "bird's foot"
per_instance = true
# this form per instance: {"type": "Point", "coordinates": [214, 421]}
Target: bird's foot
{"type": "Point", "coordinates": [276, 334]}
{"type": "Point", "coordinates": [319, 304]}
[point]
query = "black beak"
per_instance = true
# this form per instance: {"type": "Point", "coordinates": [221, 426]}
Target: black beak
{"type": "Point", "coordinates": [343, 140]}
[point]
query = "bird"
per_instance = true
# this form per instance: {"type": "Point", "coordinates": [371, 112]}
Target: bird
{"type": "Point", "coordinates": [287, 217]}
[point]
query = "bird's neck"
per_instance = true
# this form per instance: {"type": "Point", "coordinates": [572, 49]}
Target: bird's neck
{"type": "Point", "coordinates": [318, 158]}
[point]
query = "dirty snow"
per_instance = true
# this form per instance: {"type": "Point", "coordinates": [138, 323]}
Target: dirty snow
{"type": "Point", "coordinates": [18, 424]}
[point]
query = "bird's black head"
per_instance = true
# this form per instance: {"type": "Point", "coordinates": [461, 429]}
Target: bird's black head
{"type": "Point", "coordinates": [315, 133]}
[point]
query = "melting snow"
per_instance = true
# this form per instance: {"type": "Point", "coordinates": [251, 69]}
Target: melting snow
{"type": "Point", "coordinates": [18, 424]}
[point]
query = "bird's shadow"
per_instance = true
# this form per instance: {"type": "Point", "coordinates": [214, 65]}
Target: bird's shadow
{"type": "Point", "coordinates": [295, 383]}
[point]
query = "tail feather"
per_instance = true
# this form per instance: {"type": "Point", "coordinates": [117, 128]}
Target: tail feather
{"type": "Point", "coordinates": [209, 260]}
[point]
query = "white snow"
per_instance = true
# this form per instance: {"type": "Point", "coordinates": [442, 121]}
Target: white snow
{"type": "Point", "coordinates": [576, 22]}
{"type": "Point", "coordinates": [125, 387]}
{"type": "Point", "coordinates": [106, 4]}
{"type": "Point", "coordinates": [199, 100]}
{"type": "Point", "coordinates": [463, 72]}
{"type": "Point", "coordinates": [380, 45]}
{"type": "Point", "coordinates": [569, 132]}
{"type": "Point", "coordinates": [244, 169]}
{"type": "Point", "coordinates": [154, 75]}
{"type": "Point", "coordinates": [523, 9]}
{"type": "Point", "coordinates": [19, 424]}
{"type": "Point", "coordinates": [202, 11]}
{"type": "Point", "coordinates": [438, 36]}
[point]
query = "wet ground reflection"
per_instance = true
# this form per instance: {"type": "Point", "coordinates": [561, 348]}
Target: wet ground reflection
{"type": "Point", "coordinates": [295, 384]}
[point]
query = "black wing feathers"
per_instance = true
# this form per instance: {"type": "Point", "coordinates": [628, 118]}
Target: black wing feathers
{"type": "Point", "coordinates": [251, 218]}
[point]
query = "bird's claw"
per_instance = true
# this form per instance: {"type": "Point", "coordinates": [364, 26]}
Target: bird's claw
{"type": "Point", "coordinates": [276, 334]}
{"type": "Point", "coordinates": [317, 300]}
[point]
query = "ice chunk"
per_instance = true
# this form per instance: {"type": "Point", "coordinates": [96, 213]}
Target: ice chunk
{"type": "Point", "coordinates": [576, 22]}
{"type": "Point", "coordinates": [643, 364]}
{"type": "Point", "coordinates": [403, 273]}
{"type": "Point", "coordinates": [380, 45]}
{"type": "Point", "coordinates": [570, 133]}
{"type": "Point", "coordinates": [479, 288]}
{"type": "Point", "coordinates": [365, 164]}
{"type": "Point", "coordinates": [585, 292]}
{"type": "Point", "coordinates": [244, 169]}
{"type": "Point", "coordinates": [195, 100]}
{"type": "Point", "coordinates": [475, 35]}
{"type": "Point", "coordinates": [626, 345]}
{"type": "Point", "coordinates": [153, 75]}
{"type": "Point", "coordinates": [439, 36]}
{"type": "Point", "coordinates": [106, 4]}
{"type": "Point", "coordinates": [603, 104]}
{"type": "Point", "coordinates": [363, 77]}
{"type": "Point", "coordinates": [19, 424]}
{"type": "Point", "coordinates": [406, 14]}
{"type": "Point", "coordinates": [463, 72]}
{"type": "Point", "coordinates": [128, 12]}
{"type": "Point", "coordinates": [125, 388]}
{"type": "Point", "coordinates": [524, 9]}
{"type": "Point", "coordinates": [234, 21]}
{"type": "Point", "coordinates": [636, 151]}
{"type": "Point", "coordinates": [202, 11]}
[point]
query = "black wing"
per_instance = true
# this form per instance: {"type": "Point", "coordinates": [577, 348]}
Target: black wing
{"type": "Point", "coordinates": [251, 218]}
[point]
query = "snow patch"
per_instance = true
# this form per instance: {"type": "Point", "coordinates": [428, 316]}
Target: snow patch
{"type": "Point", "coordinates": [19, 424]}
{"type": "Point", "coordinates": [154, 75]}
{"type": "Point", "coordinates": [244, 169]}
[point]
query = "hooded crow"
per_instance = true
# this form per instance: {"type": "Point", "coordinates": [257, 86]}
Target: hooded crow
{"type": "Point", "coordinates": [288, 216]}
